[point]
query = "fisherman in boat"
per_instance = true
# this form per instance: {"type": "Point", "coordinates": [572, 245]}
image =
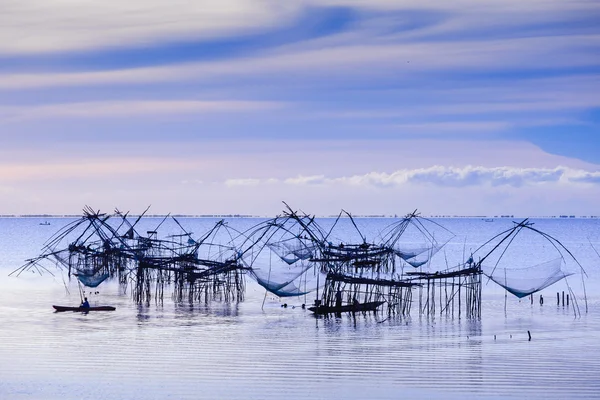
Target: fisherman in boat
{"type": "Point", "coordinates": [85, 303]}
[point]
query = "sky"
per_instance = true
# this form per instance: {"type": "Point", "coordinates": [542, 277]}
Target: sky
{"type": "Point", "coordinates": [233, 106]}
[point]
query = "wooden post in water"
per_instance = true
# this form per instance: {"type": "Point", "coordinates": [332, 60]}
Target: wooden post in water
{"type": "Point", "coordinates": [453, 297]}
{"type": "Point", "coordinates": [563, 297]}
{"type": "Point", "coordinates": [440, 302]}
{"type": "Point", "coordinates": [480, 294]}
{"type": "Point", "coordinates": [446, 295]}
{"type": "Point", "coordinates": [428, 295]}
{"type": "Point", "coordinates": [432, 297]}
{"type": "Point", "coordinates": [420, 298]}
{"type": "Point", "coordinates": [459, 300]}
{"type": "Point", "coordinates": [567, 300]}
{"type": "Point", "coordinates": [557, 299]}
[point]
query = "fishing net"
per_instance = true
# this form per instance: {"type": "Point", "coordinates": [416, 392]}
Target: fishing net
{"type": "Point", "coordinates": [92, 280]}
{"type": "Point", "coordinates": [283, 279]}
{"type": "Point", "coordinates": [286, 283]}
{"type": "Point", "coordinates": [407, 253]}
{"type": "Point", "coordinates": [524, 281]}
{"type": "Point", "coordinates": [415, 240]}
{"type": "Point", "coordinates": [278, 254]}
{"type": "Point", "coordinates": [417, 256]}
{"type": "Point", "coordinates": [291, 252]}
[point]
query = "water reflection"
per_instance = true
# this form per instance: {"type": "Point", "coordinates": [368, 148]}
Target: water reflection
{"type": "Point", "coordinates": [186, 314]}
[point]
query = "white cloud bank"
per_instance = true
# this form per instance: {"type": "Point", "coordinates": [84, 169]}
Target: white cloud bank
{"type": "Point", "coordinates": [133, 184]}
{"type": "Point", "coordinates": [444, 177]}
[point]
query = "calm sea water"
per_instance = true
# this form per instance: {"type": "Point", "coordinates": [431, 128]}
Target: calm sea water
{"type": "Point", "coordinates": [240, 351]}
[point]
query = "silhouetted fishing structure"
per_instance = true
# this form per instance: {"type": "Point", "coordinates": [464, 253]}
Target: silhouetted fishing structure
{"type": "Point", "coordinates": [110, 247]}
{"type": "Point", "coordinates": [361, 275]}
{"type": "Point", "coordinates": [524, 279]}
{"type": "Point", "coordinates": [392, 270]}
{"type": "Point", "coordinates": [293, 255]}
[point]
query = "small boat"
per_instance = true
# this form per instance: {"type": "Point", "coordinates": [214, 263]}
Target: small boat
{"type": "Point", "coordinates": [369, 306]}
{"type": "Point", "coordinates": [45, 223]}
{"type": "Point", "coordinates": [84, 309]}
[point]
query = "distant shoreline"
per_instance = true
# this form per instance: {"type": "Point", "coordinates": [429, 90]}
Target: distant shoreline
{"type": "Point", "coordinates": [488, 218]}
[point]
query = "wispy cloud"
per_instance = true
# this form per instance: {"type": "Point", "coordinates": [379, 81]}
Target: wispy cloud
{"type": "Point", "coordinates": [58, 26]}
{"type": "Point", "coordinates": [440, 176]}
{"type": "Point", "coordinates": [585, 177]}
{"type": "Point", "coordinates": [344, 60]}
{"type": "Point", "coordinates": [244, 182]}
{"type": "Point", "coordinates": [301, 97]}
{"type": "Point", "coordinates": [307, 180]}
{"type": "Point", "coordinates": [250, 182]}
{"type": "Point", "coordinates": [429, 68]}
{"type": "Point", "coordinates": [132, 108]}
{"type": "Point", "coordinates": [462, 127]}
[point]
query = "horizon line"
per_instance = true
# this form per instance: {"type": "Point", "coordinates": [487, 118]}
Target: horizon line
{"type": "Point", "coordinates": [561, 216]}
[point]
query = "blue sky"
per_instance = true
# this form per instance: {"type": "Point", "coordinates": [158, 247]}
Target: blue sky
{"type": "Point", "coordinates": [233, 106]}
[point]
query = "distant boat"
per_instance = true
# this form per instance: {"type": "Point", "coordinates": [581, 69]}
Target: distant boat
{"type": "Point", "coordinates": [45, 223]}
{"type": "Point", "coordinates": [488, 219]}
{"type": "Point", "coordinates": [83, 309]}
